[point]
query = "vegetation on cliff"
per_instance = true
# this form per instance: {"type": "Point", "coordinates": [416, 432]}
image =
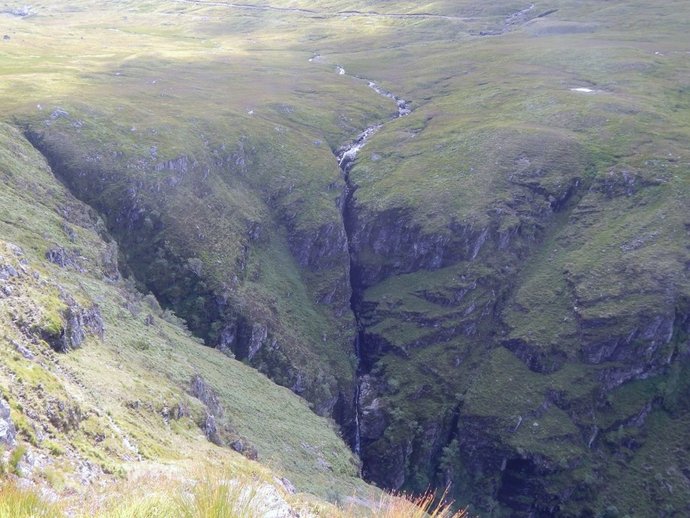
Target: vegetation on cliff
{"type": "Point", "coordinates": [514, 256]}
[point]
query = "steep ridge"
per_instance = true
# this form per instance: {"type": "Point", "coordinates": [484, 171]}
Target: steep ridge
{"type": "Point", "coordinates": [99, 384]}
{"type": "Point", "coordinates": [525, 279]}
{"type": "Point", "coordinates": [221, 286]}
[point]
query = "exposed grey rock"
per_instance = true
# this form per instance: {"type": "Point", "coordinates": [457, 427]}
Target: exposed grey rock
{"type": "Point", "coordinates": [27, 464]}
{"type": "Point", "coordinates": [406, 247]}
{"type": "Point", "coordinates": [623, 182]}
{"type": "Point", "coordinates": [245, 448]}
{"type": "Point", "coordinates": [111, 269]}
{"type": "Point", "coordinates": [215, 427]}
{"type": "Point", "coordinates": [288, 486]}
{"type": "Point", "coordinates": [134, 405]}
{"type": "Point", "coordinates": [59, 113]}
{"type": "Point", "coordinates": [372, 415]}
{"type": "Point", "coordinates": [266, 501]}
{"type": "Point", "coordinates": [21, 12]}
{"type": "Point", "coordinates": [180, 410]}
{"type": "Point", "coordinates": [228, 340]}
{"type": "Point", "coordinates": [181, 164]}
{"type": "Point", "coordinates": [207, 395]}
{"type": "Point", "coordinates": [7, 271]}
{"type": "Point", "coordinates": [389, 469]}
{"type": "Point", "coordinates": [324, 248]}
{"type": "Point", "coordinates": [80, 321]}
{"type": "Point", "coordinates": [65, 258]}
{"type": "Point", "coordinates": [211, 430]}
{"type": "Point", "coordinates": [63, 415]}
{"type": "Point", "coordinates": [8, 432]}
{"type": "Point", "coordinates": [89, 472]}
{"type": "Point", "coordinates": [22, 350]}
{"type": "Point", "coordinates": [258, 339]}
{"type": "Point", "coordinates": [538, 359]}
{"type": "Point", "coordinates": [77, 323]}
{"type": "Point", "coordinates": [652, 332]}
{"type": "Point", "coordinates": [16, 250]}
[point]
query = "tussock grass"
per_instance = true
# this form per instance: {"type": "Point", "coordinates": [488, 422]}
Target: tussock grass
{"type": "Point", "coordinates": [18, 502]}
{"type": "Point", "coordinates": [209, 497]}
{"type": "Point", "coordinates": [426, 505]}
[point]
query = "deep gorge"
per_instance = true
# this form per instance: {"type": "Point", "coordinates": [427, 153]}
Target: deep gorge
{"type": "Point", "coordinates": [185, 291]}
{"type": "Point", "coordinates": [486, 293]}
{"type": "Point", "coordinates": [429, 448]}
{"type": "Point", "coordinates": [346, 156]}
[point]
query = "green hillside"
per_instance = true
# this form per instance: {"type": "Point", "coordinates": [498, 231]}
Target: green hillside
{"type": "Point", "coordinates": [101, 382]}
{"type": "Point", "coordinates": [491, 293]}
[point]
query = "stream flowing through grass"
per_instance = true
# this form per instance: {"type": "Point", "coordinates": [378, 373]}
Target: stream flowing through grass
{"type": "Point", "coordinates": [346, 156]}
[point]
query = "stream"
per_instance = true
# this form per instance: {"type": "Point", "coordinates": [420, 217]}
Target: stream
{"type": "Point", "coordinates": [346, 156]}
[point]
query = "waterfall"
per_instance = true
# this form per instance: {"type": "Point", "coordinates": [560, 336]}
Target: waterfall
{"type": "Point", "coordinates": [346, 156]}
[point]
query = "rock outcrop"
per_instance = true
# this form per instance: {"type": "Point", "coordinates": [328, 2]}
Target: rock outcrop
{"type": "Point", "coordinates": [215, 423]}
{"type": "Point", "coordinates": [8, 431]}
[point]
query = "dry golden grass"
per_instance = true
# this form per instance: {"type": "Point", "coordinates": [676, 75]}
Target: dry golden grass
{"type": "Point", "coordinates": [423, 506]}
{"type": "Point", "coordinates": [18, 502]}
{"type": "Point", "coordinates": [211, 496]}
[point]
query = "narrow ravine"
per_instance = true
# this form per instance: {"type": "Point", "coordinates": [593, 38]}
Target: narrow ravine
{"type": "Point", "coordinates": [346, 156]}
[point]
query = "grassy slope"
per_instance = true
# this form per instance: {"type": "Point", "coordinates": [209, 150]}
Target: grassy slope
{"type": "Point", "coordinates": [106, 407]}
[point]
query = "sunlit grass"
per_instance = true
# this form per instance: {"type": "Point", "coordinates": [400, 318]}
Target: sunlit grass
{"type": "Point", "coordinates": [427, 505]}
{"type": "Point", "coordinates": [18, 502]}
{"type": "Point", "coordinates": [211, 496]}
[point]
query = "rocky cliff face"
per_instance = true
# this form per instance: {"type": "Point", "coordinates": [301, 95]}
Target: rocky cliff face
{"type": "Point", "coordinates": [505, 328]}
{"type": "Point", "coordinates": [99, 382]}
{"type": "Point", "coordinates": [520, 333]}
{"type": "Point", "coordinates": [231, 291]}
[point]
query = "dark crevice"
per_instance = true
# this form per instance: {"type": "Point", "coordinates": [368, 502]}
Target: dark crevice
{"type": "Point", "coordinates": [345, 162]}
{"type": "Point", "coordinates": [346, 156]}
{"type": "Point", "coordinates": [521, 494]}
